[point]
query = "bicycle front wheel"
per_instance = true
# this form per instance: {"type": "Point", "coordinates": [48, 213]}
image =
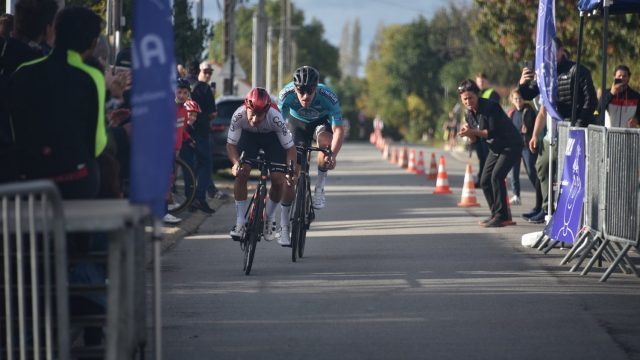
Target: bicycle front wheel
{"type": "Point", "coordinates": [255, 225]}
{"type": "Point", "coordinates": [183, 187]}
{"type": "Point", "coordinates": [306, 222]}
{"type": "Point", "coordinates": [297, 220]}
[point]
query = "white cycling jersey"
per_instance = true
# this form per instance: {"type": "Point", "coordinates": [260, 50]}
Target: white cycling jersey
{"type": "Point", "coordinates": [272, 123]}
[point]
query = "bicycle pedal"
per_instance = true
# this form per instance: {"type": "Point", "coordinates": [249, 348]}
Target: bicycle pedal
{"type": "Point", "coordinates": [285, 245]}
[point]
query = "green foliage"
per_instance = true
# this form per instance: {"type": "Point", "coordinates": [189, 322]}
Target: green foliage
{"type": "Point", "coordinates": [189, 33]}
{"type": "Point", "coordinates": [349, 91]}
{"type": "Point", "coordinates": [505, 30]}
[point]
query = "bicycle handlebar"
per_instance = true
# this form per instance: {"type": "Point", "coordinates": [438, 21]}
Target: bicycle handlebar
{"type": "Point", "coordinates": [303, 148]}
{"type": "Point", "coordinates": [290, 169]}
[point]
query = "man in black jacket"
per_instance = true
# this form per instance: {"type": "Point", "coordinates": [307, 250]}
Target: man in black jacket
{"type": "Point", "coordinates": [33, 25]}
{"type": "Point", "coordinates": [199, 156]}
{"type": "Point", "coordinates": [585, 106]}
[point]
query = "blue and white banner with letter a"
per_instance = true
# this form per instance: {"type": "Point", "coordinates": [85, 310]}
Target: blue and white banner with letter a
{"type": "Point", "coordinates": [546, 56]}
{"type": "Point", "coordinates": [154, 113]}
{"type": "Point", "coordinates": [565, 223]}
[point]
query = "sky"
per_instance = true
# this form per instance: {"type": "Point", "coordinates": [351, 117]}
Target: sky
{"type": "Point", "coordinates": [335, 13]}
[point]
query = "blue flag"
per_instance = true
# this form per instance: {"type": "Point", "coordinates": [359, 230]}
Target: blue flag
{"type": "Point", "coordinates": [154, 113]}
{"type": "Point", "coordinates": [546, 56]}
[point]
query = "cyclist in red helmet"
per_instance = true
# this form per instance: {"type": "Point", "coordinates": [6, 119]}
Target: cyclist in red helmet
{"type": "Point", "coordinates": [257, 125]}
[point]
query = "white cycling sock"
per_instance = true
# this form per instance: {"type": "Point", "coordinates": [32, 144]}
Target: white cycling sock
{"type": "Point", "coordinates": [241, 209]}
{"type": "Point", "coordinates": [284, 215]}
{"type": "Point", "coordinates": [271, 209]}
{"type": "Point", "coordinates": [322, 178]}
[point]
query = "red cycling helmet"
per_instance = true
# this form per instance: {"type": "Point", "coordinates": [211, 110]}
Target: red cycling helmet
{"type": "Point", "coordinates": [258, 100]}
{"type": "Point", "coordinates": [192, 106]}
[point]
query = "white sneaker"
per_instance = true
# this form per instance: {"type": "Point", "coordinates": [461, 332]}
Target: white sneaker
{"type": "Point", "coordinates": [515, 200]}
{"type": "Point", "coordinates": [171, 220]}
{"type": "Point", "coordinates": [172, 206]}
{"type": "Point", "coordinates": [318, 199]}
{"type": "Point", "coordinates": [270, 230]}
{"type": "Point", "coordinates": [237, 232]}
{"type": "Point", "coordinates": [284, 239]}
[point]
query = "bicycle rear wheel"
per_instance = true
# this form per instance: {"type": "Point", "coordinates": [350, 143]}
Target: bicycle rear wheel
{"type": "Point", "coordinates": [297, 221]}
{"type": "Point", "coordinates": [182, 187]}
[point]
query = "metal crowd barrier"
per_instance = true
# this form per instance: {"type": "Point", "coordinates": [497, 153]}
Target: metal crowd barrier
{"type": "Point", "coordinates": [35, 310]}
{"type": "Point", "coordinates": [561, 141]}
{"type": "Point", "coordinates": [36, 227]}
{"type": "Point", "coordinates": [611, 208]}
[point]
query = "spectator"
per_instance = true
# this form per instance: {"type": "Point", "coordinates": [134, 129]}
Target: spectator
{"type": "Point", "coordinates": [54, 141]}
{"type": "Point", "coordinates": [57, 112]}
{"type": "Point", "coordinates": [33, 22]}
{"type": "Point", "coordinates": [585, 106]}
{"type": "Point", "coordinates": [486, 119]}
{"type": "Point", "coordinates": [523, 117]}
{"type": "Point", "coordinates": [199, 157]}
{"type": "Point", "coordinates": [451, 131]}
{"type": "Point", "coordinates": [480, 145]}
{"type": "Point", "coordinates": [620, 103]}
{"type": "Point", "coordinates": [6, 25]}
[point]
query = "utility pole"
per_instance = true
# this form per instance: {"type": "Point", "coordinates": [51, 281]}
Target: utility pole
{"type": "Point", "coordinates": [199, 10]}
{"type": "Point", "coordinates": [258, 51]}
{"type": "Point", "coordinates": [269, 58]}
{"type": "Point", "coordinates": [229, 48]}
{"type": "Point", "coordinates": [283, 53]}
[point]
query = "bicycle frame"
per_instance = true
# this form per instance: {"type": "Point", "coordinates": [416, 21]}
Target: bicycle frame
{"type": "Point", "coordinates": [256, 211]}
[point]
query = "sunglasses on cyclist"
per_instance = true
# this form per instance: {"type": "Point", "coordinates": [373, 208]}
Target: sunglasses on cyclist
{"type": "Point", "coordinates": [305, 89]}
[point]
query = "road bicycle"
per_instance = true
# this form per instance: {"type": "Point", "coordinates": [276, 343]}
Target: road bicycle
{"type": "Point", "coordinates": [255, 216]}
{"type": "Point", "coordinates": [183, 186]}
{"type": "Point", "coordinates": [302, 213]}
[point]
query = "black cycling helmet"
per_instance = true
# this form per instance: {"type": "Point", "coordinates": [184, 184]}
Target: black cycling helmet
{"type": "Point", "coordinates": [183, 84]}
{"type": "Point", "coordinates": [306, 76]}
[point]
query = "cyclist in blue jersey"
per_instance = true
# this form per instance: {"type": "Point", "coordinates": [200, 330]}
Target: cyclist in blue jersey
{"type": "Point", "coordinates": [313, 111]}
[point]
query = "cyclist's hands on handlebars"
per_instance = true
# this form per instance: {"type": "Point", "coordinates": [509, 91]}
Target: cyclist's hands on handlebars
{"type": "Point", "coordinates": [235, 169]}
{"type": "Point", "coordinates": [291, 174]}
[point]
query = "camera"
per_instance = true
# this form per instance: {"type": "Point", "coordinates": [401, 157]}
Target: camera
{"type": "Point", "coordinates": [617, 81]}
{"type": "Point", "coordinates": [529, 64]}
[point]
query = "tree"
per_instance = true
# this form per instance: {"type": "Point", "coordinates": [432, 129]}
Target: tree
{"type": "Point", "coordinates": [189, 34]}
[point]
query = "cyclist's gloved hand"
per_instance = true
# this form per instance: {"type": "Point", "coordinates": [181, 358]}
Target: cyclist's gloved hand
{"type": "Point", "coordinates": [331, 163]}
{"type": "Point", "coordinates": [235, 169]}
{"type": "Point", "coordinates": [291, 179]}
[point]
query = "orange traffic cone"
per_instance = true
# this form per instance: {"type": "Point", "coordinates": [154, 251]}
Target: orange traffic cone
{"type": "Point", "coordinates": [402, 160]}
{"type": "Point", "coordinates": [468, 198]}
{"type": "Point", "coordinates": [385, 152]}
{"type": "Point", "coordinates": [394, 155]}
{"type": "Point", "coordinates": [411, 167]}
{"type": "Point", "coordinates": [433, 168]}
{"type": "Point", "coordinates": [442, 184]}
{"type": "Point", "coordinates": [372, 138]}
{"type": "Point", "coordinates": [420, 164]}
{"type": "Point", "coordinates": [509, 220]}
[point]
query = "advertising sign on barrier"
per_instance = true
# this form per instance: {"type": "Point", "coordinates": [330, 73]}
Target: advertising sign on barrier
{"type": "Point", "coordinates": [565, 223]}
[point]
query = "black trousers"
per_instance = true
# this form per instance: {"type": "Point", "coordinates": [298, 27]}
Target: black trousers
{"type": "Point", "coordinates": [496, 169]}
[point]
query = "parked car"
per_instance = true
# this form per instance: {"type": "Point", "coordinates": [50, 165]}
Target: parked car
{"type": "Point", "coordinates": [226, 105]}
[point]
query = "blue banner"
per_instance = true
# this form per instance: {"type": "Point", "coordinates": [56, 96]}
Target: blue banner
{"type": "Point", "coordinates": [546, 56]}
{"type": "Point", "coordinates": [565, 223]}
{"type": "Point", "coordinates": [153, 106]}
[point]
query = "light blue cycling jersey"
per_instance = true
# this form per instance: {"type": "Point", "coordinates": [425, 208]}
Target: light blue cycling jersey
{"type": "Point", "coordinates": [325, 105]}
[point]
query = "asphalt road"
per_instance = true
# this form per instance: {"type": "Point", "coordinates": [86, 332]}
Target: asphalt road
{"type": "Point", "coordinates": [392, 271]}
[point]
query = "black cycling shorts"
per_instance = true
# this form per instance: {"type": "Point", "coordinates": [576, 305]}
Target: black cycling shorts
{"type": "Point", "coordinates": [305, 132]}
{"type": "Point", "coordinates": [251, 143]}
